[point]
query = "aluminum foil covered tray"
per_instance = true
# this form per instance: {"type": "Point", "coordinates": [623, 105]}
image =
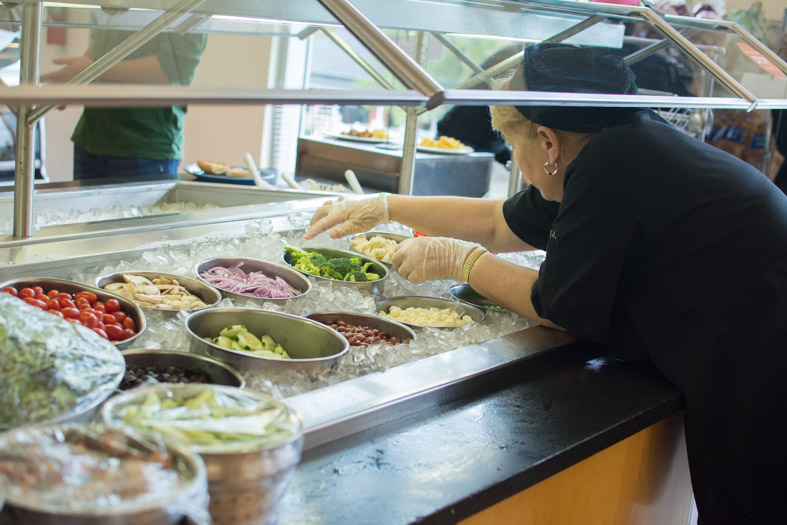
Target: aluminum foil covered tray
{"type": "Point", "coordinates": [52, 370]}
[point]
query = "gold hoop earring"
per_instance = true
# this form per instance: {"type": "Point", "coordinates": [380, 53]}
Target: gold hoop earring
{"type": "Point", "coordinates": [550, 173]}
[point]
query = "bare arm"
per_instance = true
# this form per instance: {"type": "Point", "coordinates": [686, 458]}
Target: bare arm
{"type": "Point", "coordinates": [507, 285]}
{"type": "Point", "coordinates": [470, 219]}
{"type": "Point", "coordinates": [145, 70]}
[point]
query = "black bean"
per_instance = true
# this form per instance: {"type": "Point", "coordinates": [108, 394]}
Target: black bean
{"type": "Point", "coordinates": [135, 376]}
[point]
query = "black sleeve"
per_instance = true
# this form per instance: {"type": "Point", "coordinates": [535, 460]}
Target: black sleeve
{"type": "Point", "coordinates": [587, 257]}
{"type": "Point", "coordinates": [473, 126]}
{"type": "Point", "coordinates": [530, 216]}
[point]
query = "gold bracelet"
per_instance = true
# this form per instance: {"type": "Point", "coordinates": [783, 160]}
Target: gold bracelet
{"type": "Point", "coordinates": [470, 261]}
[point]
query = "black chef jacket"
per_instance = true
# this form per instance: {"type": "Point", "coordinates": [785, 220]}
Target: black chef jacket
{"type": "Point", "coordinates": [675, 253]}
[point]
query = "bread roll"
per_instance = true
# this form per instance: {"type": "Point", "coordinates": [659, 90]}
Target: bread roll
{"type": "Point", "coordinates": [213, 168]}
{"type": "Point", "coordinates": [238, 172]}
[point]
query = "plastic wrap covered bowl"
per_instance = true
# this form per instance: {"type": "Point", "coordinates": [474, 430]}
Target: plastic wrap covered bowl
{"type": "Point", "coordinates": [127, 307]}
{"type": "Point", "coordinates": [127, 477]}
{"type": "Point", "coordinates": [250, 442]}
{"type": "Point", "coordinates": [312, 346]}
{"type": "Point", "coordinates": [270, 270]}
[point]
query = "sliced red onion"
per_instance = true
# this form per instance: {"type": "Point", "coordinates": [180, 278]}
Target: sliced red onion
{"type": "Point", "coordinates": [253, 284]}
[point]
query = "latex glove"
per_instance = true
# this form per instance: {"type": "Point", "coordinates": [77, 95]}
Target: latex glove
{"type": "Point", "coordinates": [432, 258]}
{"type": "Point", "coordinates": [346, 217]}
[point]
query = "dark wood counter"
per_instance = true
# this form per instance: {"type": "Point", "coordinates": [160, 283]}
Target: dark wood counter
{"type": "Point", "coordinates": [444, 465]}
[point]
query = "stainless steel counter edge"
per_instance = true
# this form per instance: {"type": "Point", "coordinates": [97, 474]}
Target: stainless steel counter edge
{"type": "Point", "coordinates": [358, 404]}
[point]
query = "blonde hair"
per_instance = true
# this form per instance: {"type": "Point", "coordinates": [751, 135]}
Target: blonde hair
{"type": "Point", "coordinates": [508, 119]}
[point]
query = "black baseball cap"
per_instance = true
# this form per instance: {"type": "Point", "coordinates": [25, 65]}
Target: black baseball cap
{"type": "Point", "coordinates": [567, 68]}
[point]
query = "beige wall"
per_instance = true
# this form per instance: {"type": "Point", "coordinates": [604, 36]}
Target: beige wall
{"type": "Point", "coordinates": [222, 133]}
{"type": "Point", "coordinates": [60, 124]}
{"type": "Point", "coordinates": [226, 133]}
{"type": "Point", "coordinates": [773, 9]}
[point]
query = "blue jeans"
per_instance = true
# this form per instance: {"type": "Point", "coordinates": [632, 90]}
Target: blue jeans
{"type": "Point", "coordinates": [90, 166]}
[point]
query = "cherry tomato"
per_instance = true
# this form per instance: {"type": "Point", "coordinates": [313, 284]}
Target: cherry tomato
{"type": "Point", "coordinates": [70, 313]}
{"type": "Point", "coordinates": [11, 290]}
{"type": "Point", "coordinates": [130, 324]}
{"type": "Point", "coordinates": [42, 297]}
{"type": "Point", "coordinates": [38, 290]}
{"type": "Point", "coordinates": [72, 320]}
{"type": "Point", "coordinates": [63, 295]}
{"type": "Point", "coordinates": [90, 296]}
{"type": "Point", "coordinates": [26, 292]}
{"type": "Point", "coordinates": [119, 317]}
{"type": "Point", "coordinates": [127, 333]}
{"type": "Point", "coordinates": [66, 303]}
{"type": "Point", "coordinates": [98, 306]}
{"type": "Point", "coordinates": [82, 303]}
{"type": "Point", "coordinates": [108, 319]}
{"type": "Point", "coordinates": [101, 332]}
{"type": "Point", "coordinates": [52, 293]}
{"type": "Point", "coordinates": [57, 313]}
{"type": "Point", "coordinates": [88, 319]}
{"type": "Point", "coordinates": [51, 304]}
{"type": "Point", "coordinates": [111, 306]}
{"type": "Point", "coordinates": [35, 302]}
{"type": "Point", "coordinates": [114, 332]}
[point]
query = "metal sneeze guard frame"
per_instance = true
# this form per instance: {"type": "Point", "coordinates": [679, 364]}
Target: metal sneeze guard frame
{"type": "Point", "coordinates": [31, 101]}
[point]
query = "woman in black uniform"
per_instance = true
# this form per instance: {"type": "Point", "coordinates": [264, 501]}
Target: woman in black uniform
{"type": "Point", "coordinates": [670, 251]}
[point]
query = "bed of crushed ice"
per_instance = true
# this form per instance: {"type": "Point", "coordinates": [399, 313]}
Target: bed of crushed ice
{"type": "Point", "coordinates": [260, 241]}
{"type": "Point", "coordinates": [74, 216]}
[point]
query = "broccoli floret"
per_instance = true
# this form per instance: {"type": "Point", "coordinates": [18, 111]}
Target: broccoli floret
{"type": "Point", "coordinates": [370, 276]}
{"type": "Point", "coordinates": [356, 276]}
{"type": "Point", "coordinates": [339, 268]}
{"type": "Point", "coordinates": [302, 260]}
{"type": "Point", "coordinates": [318, 259]}
{"type": "Point", "coordinates": [342, 266]}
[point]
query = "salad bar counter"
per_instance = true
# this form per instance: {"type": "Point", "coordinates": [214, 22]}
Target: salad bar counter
{"type": "Point", "coordinates": [350, 354]}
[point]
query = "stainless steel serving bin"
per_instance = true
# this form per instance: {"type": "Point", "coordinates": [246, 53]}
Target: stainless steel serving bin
{"type": "Point", "coordinates": [379, 169]}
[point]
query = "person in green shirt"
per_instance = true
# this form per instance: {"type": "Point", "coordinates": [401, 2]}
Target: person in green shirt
{"type": "Point", "coordinates": [132, 141]}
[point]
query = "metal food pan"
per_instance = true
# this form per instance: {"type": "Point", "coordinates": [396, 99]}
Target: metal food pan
{"type": "Point", "coordinates": [418, 301]}
{"type": "Point", "coordinates": [219, 373]}
{"type": "Point", "coordinates": [385, 235]}
{"type": "Point", "coordinates": [312, 346]}
{"type": "Point", "coordinates": [290, 275]}
{"type": "Point", "coordinates": [209, 295]}
{"type": "Point", "coordinates": [130, 308]}
{"type": "Point", "coordinates": [373, 287]}
{"type": "Point", "coordinates": [387, 326]}
{"type": "Point", "coordinates": [466, 294]}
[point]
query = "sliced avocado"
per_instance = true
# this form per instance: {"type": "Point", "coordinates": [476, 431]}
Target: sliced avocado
{"type": "Point", "coordinates": [233, 331]}
{"type": "Point", "coordinates": [223, 341]}
{"type": "Point", "coordinates": [268, 343]}
{"type": "Point", "coordinates": [249, 341]}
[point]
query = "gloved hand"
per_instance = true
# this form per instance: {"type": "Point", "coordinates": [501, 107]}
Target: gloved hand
{"type": "Point", "coordinates": [432, 258]}
{"type": "Point", "coordinates": [348, 217]}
